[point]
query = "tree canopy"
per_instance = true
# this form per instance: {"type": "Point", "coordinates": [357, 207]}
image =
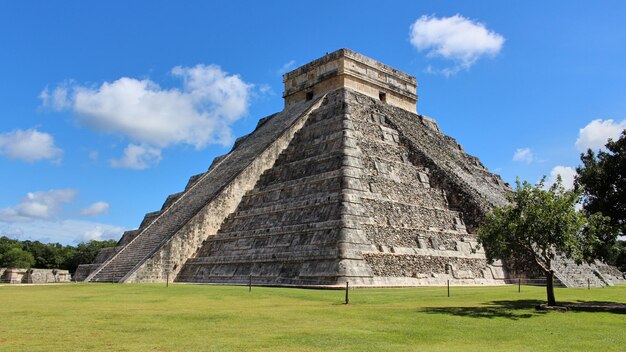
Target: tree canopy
{"type": "Point", "coordinates": [35, 254]}
{"type": "Point", "coordinates": [538, 225]}
{"type": "Point", "coordinates": [16, 258]}
{"type": "Point", "coordinates": [602, 180]}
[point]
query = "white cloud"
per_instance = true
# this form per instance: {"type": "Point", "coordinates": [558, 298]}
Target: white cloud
{"type": "Point", "coordinates": [568, 174]}
{"type": "Point", "coordinates": [38, 205]}
{"type": "Point", "coordinates": [286, 67]}
{"type": "Point", "coordinates": [63, 231]}
{"type": "Point", "coordinates": [138, 157]}
{"type": "Point", "coordinates": [11, 232]}
{"type": "Point", "coordinates": [265, 89]}
{"type": "Point", "coordinates": [39, 216]}
{"type": "Point", "coordinates": [57, 99]}
{"type": "Point", "coordinates": [93, 155]}
{"type": "Point", "coordinates": [524, 155]}
{"type": "Point", "coordinates": [198, 113]}
{"type": "Point", "coordinates": [29, 145]}
{"type": "Point", "coordinates": [454, 38]}
{"type": "Point", "coordinates": [96, 208]}
{"type": "Point", "coordinates": [98, 232]}
{"type": "Point", "coordinates": [597, 133]}
{"type": "Point", "coordinates": [222, 95]}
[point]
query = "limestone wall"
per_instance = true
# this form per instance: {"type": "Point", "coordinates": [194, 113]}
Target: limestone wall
{"type": "Point", "coordinates": [41, 276]}
{"type": "Point", "coordinates": [392, 96]}
{"type": "Point", "coordinates": [173, 253]}
{"type": "Point", "coordinates": [15, 275]}
{"type": "Point", "coordinates": [347, 69]}
{"type": "Point", "coordinates": [344, 201]}
{"type": "Point", "coordinates": [34, 276]}
{"type": "Point", "coordinates": [404, 223]}
{"type": "Point", "coordinates": [285, 230]}
{"type": "Point", "coordinates": [420, 266]}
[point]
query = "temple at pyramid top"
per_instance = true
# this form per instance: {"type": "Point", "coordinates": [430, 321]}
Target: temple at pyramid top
{"type": "Point", "coordinates": [345, 68]}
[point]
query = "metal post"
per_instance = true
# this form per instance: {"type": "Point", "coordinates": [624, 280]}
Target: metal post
{"type": "Point", "coordinates": [519, 284]}
{"type": "Point", "coordinates": [347, 298]}
{"type": "Point", "coordinates": [448, 287]}
{"type": "Point", "coordinates": [250, 284]}
{"type": "Point", "coordinates": [588, 284]}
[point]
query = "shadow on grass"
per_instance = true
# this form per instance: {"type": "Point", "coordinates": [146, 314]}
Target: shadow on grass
{"type": "Point", "coordinates": [514, 310]}
{"type": "Point", "coordinates": [523, 309]}
{"type": "Point", "coordinates": [596, 306]}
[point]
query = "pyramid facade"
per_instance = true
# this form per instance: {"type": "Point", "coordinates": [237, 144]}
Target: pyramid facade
{"type": "Point", "coordinates": [347, 183]}
{"type": "Point", "coordinates": [346, 201]}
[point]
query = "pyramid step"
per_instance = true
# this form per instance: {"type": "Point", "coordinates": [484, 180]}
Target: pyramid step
{"type": "Point", "coordinates": [323, 144]}
{"type": "Point", "coordinates": [290, 204]}
{"type": "Point", "coordinates": [298, 169]}
{"type": "Point", "coordinates": [128, 236]}
{"type": "Point", "coordinates": [303, 183]}
{"type": "Point", "coordinates": [149, 218]}
{"type": "Point", "coordinates": [171, 199]}
{"type": "Point", "coordinates": [277, 230]}
{"type": "Point", "coordinates": [193, 179]}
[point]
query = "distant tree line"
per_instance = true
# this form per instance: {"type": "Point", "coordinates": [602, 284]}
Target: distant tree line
{"type": "Point", "coordinates": [34, 254]}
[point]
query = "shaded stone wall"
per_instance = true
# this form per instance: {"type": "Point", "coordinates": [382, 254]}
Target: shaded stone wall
{"type": "Point", "coordinates": [416, 236]}
{"type": "Point", "coordinates": [286, 229]}
{"type": "Point", "coordinates": [344, 202]}
{"type": "Point", "coordinates": [421, 266]}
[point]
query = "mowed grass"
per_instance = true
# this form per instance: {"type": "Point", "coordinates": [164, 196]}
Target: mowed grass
{"type": "Point", "coordinates": [135, 317]}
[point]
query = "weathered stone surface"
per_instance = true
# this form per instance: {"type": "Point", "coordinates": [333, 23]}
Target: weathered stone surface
{"type": "Point", "coordinates": [165, 241]}
{"type": "Point", "coordinates": [345, 68]}
{"type": "Point", "coordinates": [33, 276]}
{"type": "Point", "coordinates": [346, 184]}
{"type": "Point", "coordinates": [286, 229]}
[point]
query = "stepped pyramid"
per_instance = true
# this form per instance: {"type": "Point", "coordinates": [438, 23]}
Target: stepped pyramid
{"type": "Point", "coordinates": [347, 183]}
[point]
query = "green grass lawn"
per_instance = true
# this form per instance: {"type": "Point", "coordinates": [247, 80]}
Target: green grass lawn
{"type": "Point", "coordinates": [116, 317]}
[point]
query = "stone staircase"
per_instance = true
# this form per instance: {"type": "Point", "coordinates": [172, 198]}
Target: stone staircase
{"type": "Point", "coordinates": [611, 273]}
{"type": "Point", "coordinates": [286, 229]}
{"type": "Point", "coordinates": [221, 184]}
{"type": "Point", "coordinates": [572, 275]}
{"type": "Point", "coordinates": [129, 252]}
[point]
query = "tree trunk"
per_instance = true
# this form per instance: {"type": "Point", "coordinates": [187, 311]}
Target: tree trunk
{"type": "Point", "coordinates": [550, 287]}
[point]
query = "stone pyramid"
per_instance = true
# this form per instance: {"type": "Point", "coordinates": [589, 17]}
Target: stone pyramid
{"type": "Point", "coordinates": [347, 183]}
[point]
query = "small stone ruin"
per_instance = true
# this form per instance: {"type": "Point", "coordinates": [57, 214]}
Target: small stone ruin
{"type": "Point", "coordinates": [33, 276]}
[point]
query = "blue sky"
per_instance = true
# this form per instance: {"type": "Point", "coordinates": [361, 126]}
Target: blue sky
{"type": "Point", "coordinates": [106, 108]}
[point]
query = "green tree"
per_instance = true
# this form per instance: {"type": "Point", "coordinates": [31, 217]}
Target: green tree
{"type": "Point", "coordinates": [620, 258]}
{"type": "Point", "coordinates": [49, 255]}
{"type": "Point", "coordinates": [602, 180]}
{"type": "Point", "coordinates": [7, 243]}
{"type": "Point", "coordinates": [538, 225]}
{"type": "Point", "coordinates": [52, 255]}
{"type": "Point", "coordinates": [86, 252]}
{"type": "Point", "coordinates": [17, 258]}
